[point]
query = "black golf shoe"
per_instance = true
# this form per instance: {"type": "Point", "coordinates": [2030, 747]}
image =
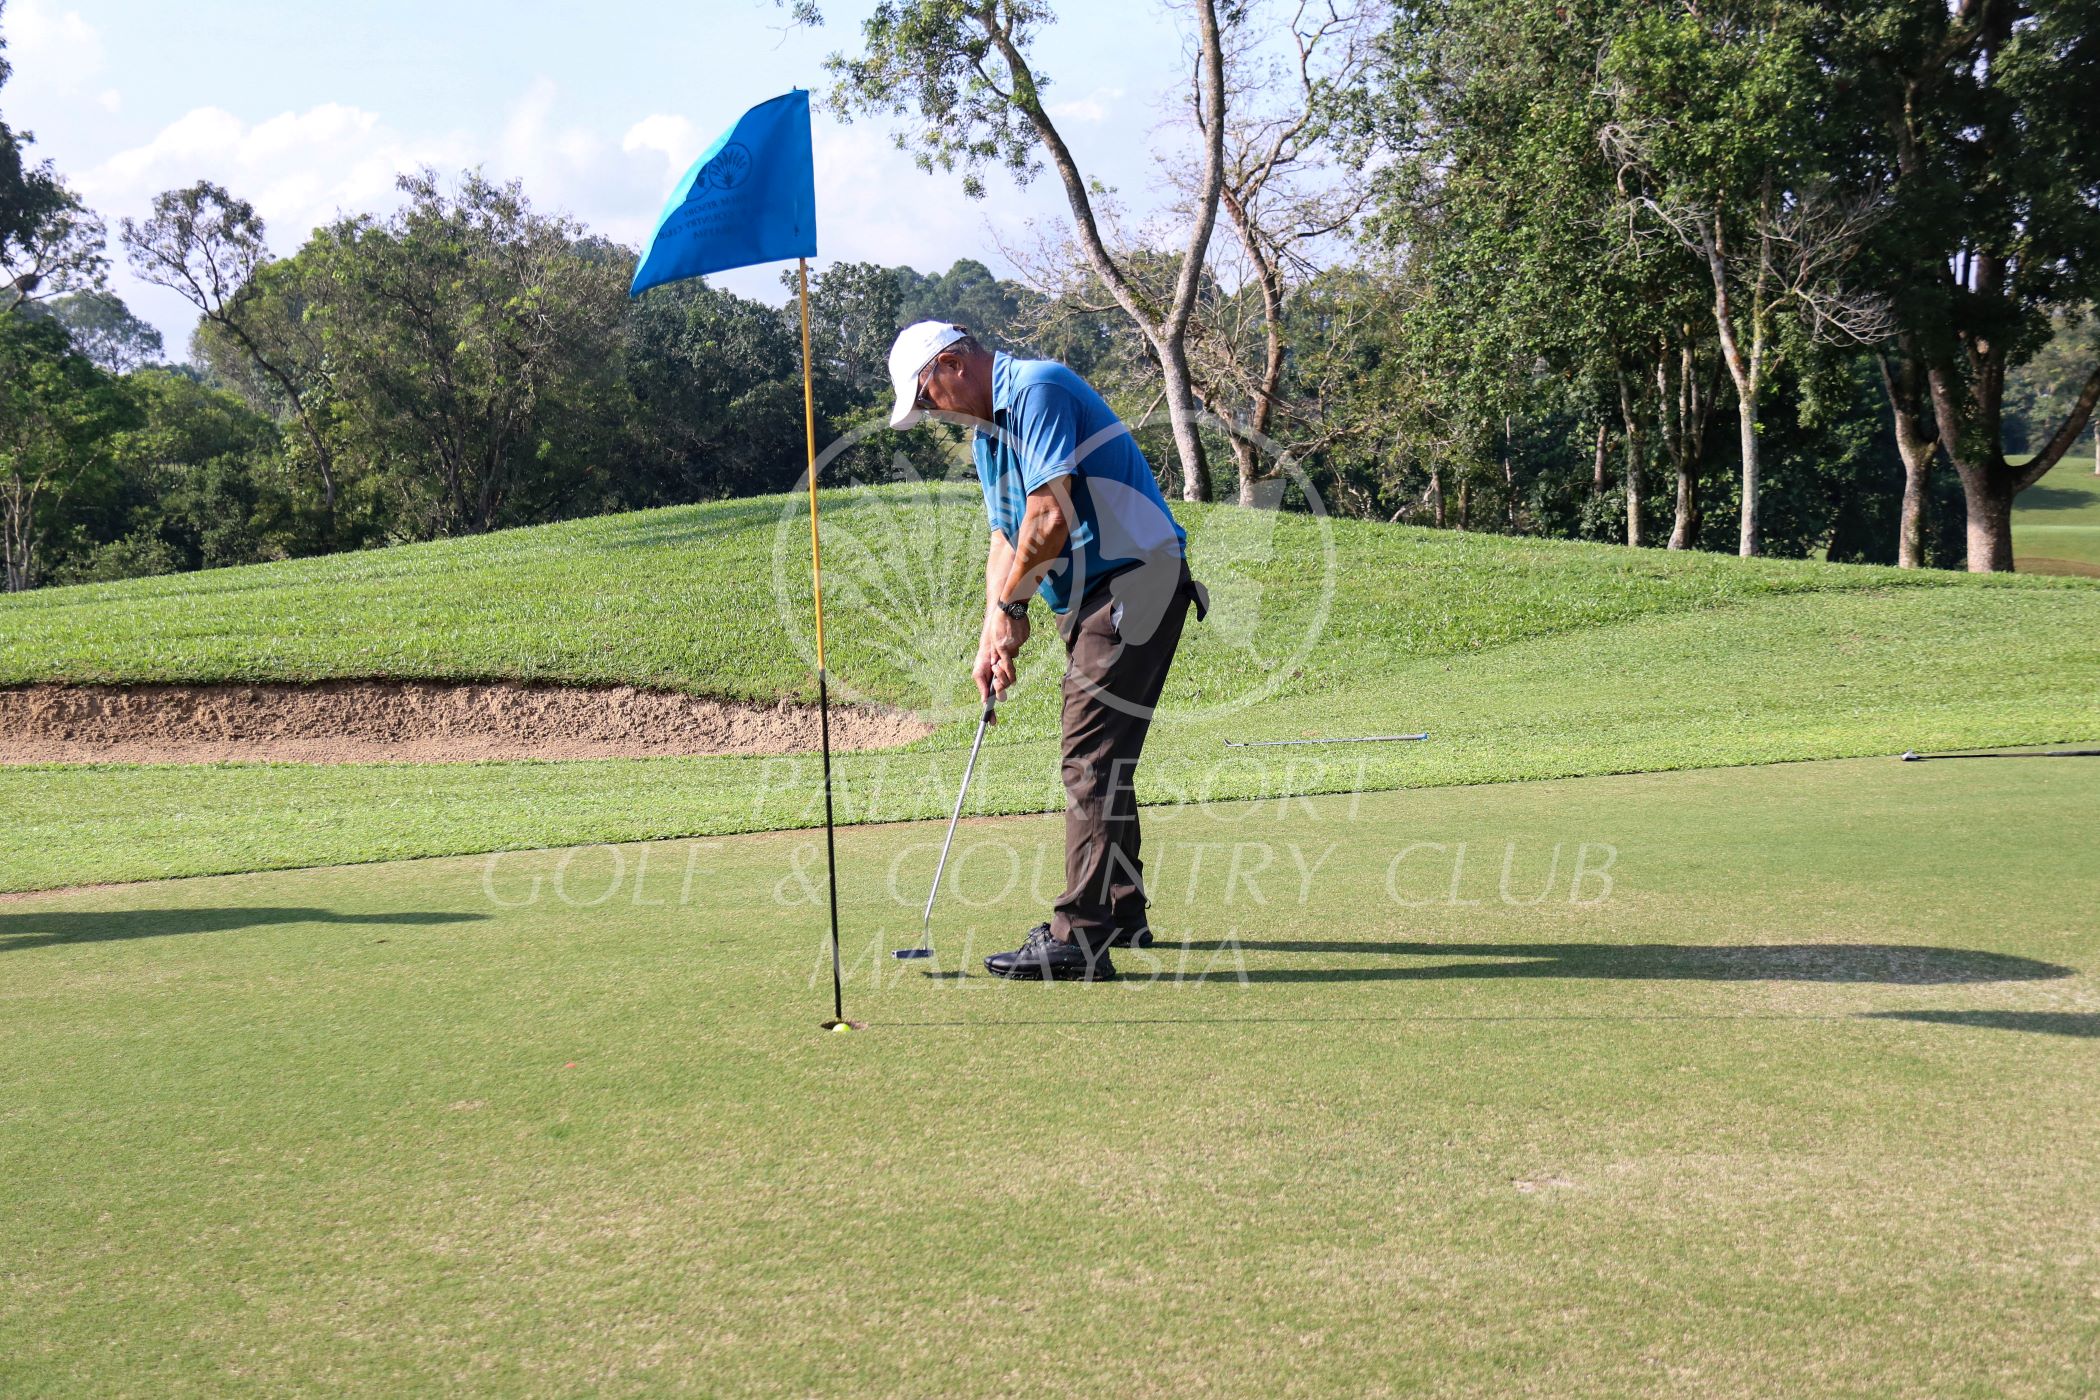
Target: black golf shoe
{"type": "Point", "coordinates": [1140, 937]}
{"type": "Point", "coordinates": [1043, 958]}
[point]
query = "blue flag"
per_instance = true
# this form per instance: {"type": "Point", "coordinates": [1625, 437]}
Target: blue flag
{"type": "Point", "coordinates": [750, 198]}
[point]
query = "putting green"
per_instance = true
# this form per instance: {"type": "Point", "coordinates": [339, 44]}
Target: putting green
{"type": "Point", "coordinates": [1782, 1086]}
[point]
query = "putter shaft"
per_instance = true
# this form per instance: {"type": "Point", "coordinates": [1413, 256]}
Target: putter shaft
{"type": "Point", "coordinates": [925, 947]}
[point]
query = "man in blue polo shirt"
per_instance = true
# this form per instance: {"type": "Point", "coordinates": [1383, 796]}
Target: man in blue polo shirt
{"type": "Point", "coordinates": [1075, 516]}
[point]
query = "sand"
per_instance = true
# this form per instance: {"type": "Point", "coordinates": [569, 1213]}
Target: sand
{"type": "Point", "coordinates": [389, 721]}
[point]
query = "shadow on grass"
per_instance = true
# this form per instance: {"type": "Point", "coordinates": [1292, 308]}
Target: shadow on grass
{"type": "Point", "coordinates": [2041, 497]}
{"type": "Point", "coordinates": [41, 928]}
{"type": "Point", "coordinates": [1885, 963]}
{"type": "Point", "coordinates": [2083, 1024]}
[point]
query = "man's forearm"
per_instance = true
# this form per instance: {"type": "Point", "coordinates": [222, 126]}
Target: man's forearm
{"type": "Point", "coordinates": [1042, 537]}
{"type": "Point", "coordinates": [997, 561]}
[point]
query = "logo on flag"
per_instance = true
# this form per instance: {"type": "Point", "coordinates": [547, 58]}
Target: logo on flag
{"type": "Point", "coordinates": [729, 169]}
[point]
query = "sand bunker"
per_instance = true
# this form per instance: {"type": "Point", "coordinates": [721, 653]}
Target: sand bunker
{"type": "Point", "coordinates": [378, 721]}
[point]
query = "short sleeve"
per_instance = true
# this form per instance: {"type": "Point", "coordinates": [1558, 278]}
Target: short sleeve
{"type": "Point", "coordinates": [1046, 422]}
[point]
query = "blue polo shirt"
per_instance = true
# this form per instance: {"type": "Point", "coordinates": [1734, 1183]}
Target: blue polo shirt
{"type": "Point", "coordinates": [1047, 422]}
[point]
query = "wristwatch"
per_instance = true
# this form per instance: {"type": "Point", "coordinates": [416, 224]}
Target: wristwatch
{"type": "Point", "coordinates": [1016, 611]}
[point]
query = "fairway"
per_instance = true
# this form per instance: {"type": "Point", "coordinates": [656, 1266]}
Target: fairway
{"type": "Point", "coordinates": [2056, 522]}
{"type": "Point", "coordinates": [1783, 1086]}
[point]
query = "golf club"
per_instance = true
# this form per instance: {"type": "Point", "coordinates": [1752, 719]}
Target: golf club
{"type": "Point", "coordinates": [1912, 756]}
{"type": "Point", "coordinates": [925, 948]}
{"type": "Point", "coordinates": [1366, 739]}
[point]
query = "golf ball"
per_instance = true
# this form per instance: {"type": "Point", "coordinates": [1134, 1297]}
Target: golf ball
{"type": "Point", "coordinates": [841, 1028]}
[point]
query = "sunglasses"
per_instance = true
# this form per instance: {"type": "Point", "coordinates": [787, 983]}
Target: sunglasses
{"type": "Point", "coordinates": [921, 403]}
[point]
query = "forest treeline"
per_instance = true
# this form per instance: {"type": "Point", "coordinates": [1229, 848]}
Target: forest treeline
{"type": "Point", "coordinates": [1755, 277]}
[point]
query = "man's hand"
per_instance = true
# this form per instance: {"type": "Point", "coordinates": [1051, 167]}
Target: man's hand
{"type": "Point", "coordinates": [998, 651]}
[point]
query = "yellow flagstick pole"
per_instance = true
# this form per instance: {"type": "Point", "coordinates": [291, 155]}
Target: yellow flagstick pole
{"type": "Point", "coordinates": [816, 585]}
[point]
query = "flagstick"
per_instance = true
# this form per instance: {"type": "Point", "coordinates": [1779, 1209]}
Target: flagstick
{"type": "Point", "coordinates": [816, 584]}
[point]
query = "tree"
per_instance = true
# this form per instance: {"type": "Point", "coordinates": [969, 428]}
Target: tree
{"type": "Point", "coordinates": [474, 351]}
{"type": "Point", "coordinates": [59, 249]}
{"type": "Point", "coordinates": [1986, 138]}
{"type": "Point", "coordinates": [102, 328]}
{"type": "Point", "coordinates": [1506, 204]}
{"type": "Point", "coordinates": [853, 318]}
{"type": "Point", "coordinates": [206, 476]}
{"type": "Point", "coordinates": [1716, 115]}
{"type": "Point", "coordinates": [716, 381]}
{"type": "Point", "coordinates": [963, 69]}
{"type": "Point", "coordinates": [1284, 190]}
{"type": "Point", "coordinates": [208, 246]}
{"type": "Point", "coordinates": [57, 412]}
{"type": "Point", "coordinates": [967, 294]}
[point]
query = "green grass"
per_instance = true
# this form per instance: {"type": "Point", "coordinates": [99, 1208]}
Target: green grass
{"type": "Point", "coordinates": [1802, 1104]}
{"type": "Point", "coordinates": [1525, 658]}
{"type": "Point", "coordinates": [2056, 521]}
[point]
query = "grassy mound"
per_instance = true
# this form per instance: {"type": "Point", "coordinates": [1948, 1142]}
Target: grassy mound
{"type": "Point", "coordinates": [715, 599]}
{"type": "Point", "coordinates": [1525, 658]}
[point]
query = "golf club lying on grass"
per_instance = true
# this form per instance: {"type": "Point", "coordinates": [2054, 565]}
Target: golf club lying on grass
{"type": "Point", "coordinates": [1365, 739]}
{"type": "Point", "coordinates": [925, 948]}
{"type": "Point", "coordinates": [1913, 756]}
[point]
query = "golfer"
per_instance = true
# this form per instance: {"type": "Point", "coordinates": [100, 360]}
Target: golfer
{"type": "Point", "coordinates": [1076, 517]}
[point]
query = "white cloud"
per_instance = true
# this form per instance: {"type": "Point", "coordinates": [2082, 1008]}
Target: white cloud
{"type": "Point", "coordinates": [299, 169]}
{"type": "Point", "coordinates": [1091, 110]}
{"type": "Point", "coordinates": [675, 138]}
{"type": "Point", "coordinates": [52, 50]}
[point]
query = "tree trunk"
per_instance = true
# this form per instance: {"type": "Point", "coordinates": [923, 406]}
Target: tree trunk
{"type": "Point", "coordinates": [1181, 413]}
{"type": "Point", "coordinates": [1745, 366]}
{"type": "Point", "coordinates": [18, 504]}
{"type": "Point", "coordinates": [1684, 531]}
{"type": "Point", "coordinates": [1636, 448]}
{"type": "Point", "coordinates": [1989, 499]}
{"type": "Point", "coordinates": [1969, 410]}
{"type": "Point", "coordinates": [1917, 441]}
{"type": "Point", "coordinates": [1269, 279]}
{"type": "Point", "coordinates": [1684, 409]}
{"type": "Point", "coordinates": [1509, 470]}
{"type": "Point", "coordinates": [1633, 490]}
{"type": "Point", "coordinates": [1746, 425]}
{"type": "Point", "coordinates": [1917, 486]}
{"type": "Point", "coordinates": [1597, 479]}
{"type": "Point", "coordinates": [1249, 464]}
{"type": "Point", "coordinates": [1465, 503]}
{"type": "Point", "coordinates": [1436, 495]}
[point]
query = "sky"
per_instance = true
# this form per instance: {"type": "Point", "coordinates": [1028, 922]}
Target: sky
{"type": "Point", "coordinates": [308, 109]}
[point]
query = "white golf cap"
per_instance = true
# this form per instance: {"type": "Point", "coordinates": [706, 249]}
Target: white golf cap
{"type": "Point", "coordinates": [914, 349]}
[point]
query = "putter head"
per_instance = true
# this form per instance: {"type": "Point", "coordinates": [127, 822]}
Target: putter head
{"type": "Point", "coordinates": [913, 953]}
